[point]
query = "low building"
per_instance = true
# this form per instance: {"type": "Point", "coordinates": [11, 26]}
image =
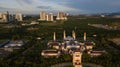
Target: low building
{"type": "Point", "coordinates": [50, 53]}
{"type": "Point", "coordinates": [116, 16]}
{"type": "Point", "coordinates": [55, 45]}
{"type": "Point", "coordinates": [34, 23]}
{"type": "Point", "coordinates": [16, 43]}
{"type": "Point", "coordinates": [72, 44]}
{"type": "Point", "coordinates": [11, 45]}
{"type": "Point", "coordinates": [89, 45]}
{"type": "Point", "coordinates": [93, 53]}
{"type": "Point", "coordinates": [82, 48]}
{"type": "Point", "coordinates": [8, 49]}
{"type": "Point", "coordinates": [77, 59]}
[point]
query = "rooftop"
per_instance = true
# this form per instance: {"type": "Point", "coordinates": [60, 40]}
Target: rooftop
{"type": "Point", "coordinates": [54, 43]}
{"type": "Point", "coordinates": [89, 43]}
{"type": "Point", "coordinates": [50, 51]}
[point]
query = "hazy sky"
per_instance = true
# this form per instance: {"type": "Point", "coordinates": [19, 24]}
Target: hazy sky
{"type": "Point", "coordinates": [70, 6]}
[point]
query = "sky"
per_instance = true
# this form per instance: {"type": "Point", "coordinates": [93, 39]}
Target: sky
{"type": "Point", "coordinates": [68, 6]}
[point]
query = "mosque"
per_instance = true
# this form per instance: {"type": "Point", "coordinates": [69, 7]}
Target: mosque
{"type": "Point", "coordinates": [69, 45]}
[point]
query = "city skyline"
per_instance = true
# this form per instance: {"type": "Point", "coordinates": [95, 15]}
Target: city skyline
{"type": "Point", "coordinates": [69, 6]}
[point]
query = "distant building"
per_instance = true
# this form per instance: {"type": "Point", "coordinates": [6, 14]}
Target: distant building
{"type": "Point", "coordinates": [16, 43]}
{"type": "Point", "coordinates": [11, 17]}
{"type": "Point", "coordinates": [1, 15]}
{"type": "Point", "coordinates": [43, 16]}
{"type": "Point", "coordinates": [77, 59]}
{"type": "Point", "coordinates": [50, 53]}
{"type": "Point", "coordinates": [50, 17]}
{"type": "Point", "coordinates": [4, 17]}
{"type": "Point", "coordinates": [34, 22]}
{"type": "Point", "coordinates": [102, 15]}
{"type": "Point", "coordinates": [61, 16]}
{"type": "Point", "coordinates": [116, 16]}
{"type": "Point", "coordinates": [8, 16]}
{"type": "Point", "coordinates": [19, 17]}
{"type": "Point", "coordinates": [93, 53]}
{"type": "Point", "coordinates": [11, 45]}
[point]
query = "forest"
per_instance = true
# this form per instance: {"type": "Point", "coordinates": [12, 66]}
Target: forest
{"type": "Point", "coordinates": [30, 54]}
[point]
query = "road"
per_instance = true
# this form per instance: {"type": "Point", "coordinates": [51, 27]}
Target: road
{"type": "Point", "coordinates": [70, 64]}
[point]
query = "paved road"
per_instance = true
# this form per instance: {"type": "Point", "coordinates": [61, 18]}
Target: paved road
{"type": "Point", "coordinates": [62, 65]}
{"type": "Point", "coordinates": [24, 52]}
{"type": "Point", "coordinates": [70, 64]}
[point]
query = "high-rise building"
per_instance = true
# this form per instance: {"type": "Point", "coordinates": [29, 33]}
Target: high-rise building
{"type": "Point", "coordinates": [1, 15]}
{"type": "Point", "coordinates": [11, 17]}
{"type": "Point", "coordinates": [43, 15]}
{"type": "Point", "coordinates": [19, 17]}
{"type": "Point", "coordinates": [49, 17]}
{"type": "Point", "coordinates": [61, 16]}
{"type": "Point", "coordinates": [4, 18]}
{"type": "Point", "coordinates": [65, 16]}
{"type": "Point", "coordinates": [8, 16]}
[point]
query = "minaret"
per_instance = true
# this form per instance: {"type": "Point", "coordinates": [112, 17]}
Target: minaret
{"type": "Point", "coordinates": [64, 34]}
{"type": "Point", "coordinates": [73, 34]}
{"type": "Point", "coordinates": [84, 36]}
{"type": "Point", "coordinates": [54, 36]}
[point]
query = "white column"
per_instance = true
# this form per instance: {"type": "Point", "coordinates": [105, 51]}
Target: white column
{"type": "Point", "coordinates": [64, 34]}
{"type": "Point", "coordinates": [54, 36]}
{"type": "Point", "coordinates": [47, 18]}
{"type": "Point", "coordinates": [51, 18]}
{"type": "Point", "coordinates": [73, 34]}
{"type": "Point", "coordinates": [84, 36]}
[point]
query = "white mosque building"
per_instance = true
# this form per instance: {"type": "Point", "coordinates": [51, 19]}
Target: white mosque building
{"type": "Point", "coordinates": [69, 45]}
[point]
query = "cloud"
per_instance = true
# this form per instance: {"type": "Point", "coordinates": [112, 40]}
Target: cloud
{"type": "Point", "coordinates": [5, 9]}
{"type": "Point", "coordinates": [26, 1]}
{"type": "Point", "coordinates": [58, 6]}
{"type": "Point", "coordinates": [44, 7]}
{"type": "Point", "coordinates": [95, 6]}
{"type": "Point", "coordinates": [72, 6]}
{"type": "Point", "coordinates": [49, 5]}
